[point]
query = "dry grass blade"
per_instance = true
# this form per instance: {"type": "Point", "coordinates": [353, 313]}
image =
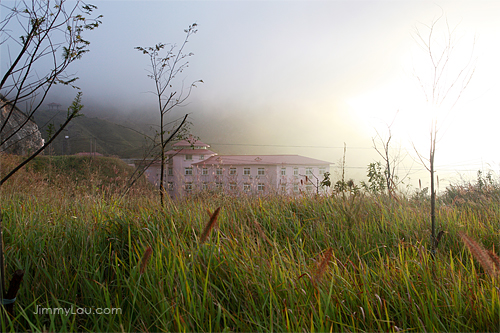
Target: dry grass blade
{"type": "Point", "coordinates": [495, 259]}
{"type": "Point", "coordinates": [323, 265]}
{"type": "Point", "coordinates": [262, 233]}
{"type": "Point", "coordinates": [488, 260]}
{"type": "Point", "coordinates": [145, 259]}
{"type": "Point", "coordinates": [211, 223]}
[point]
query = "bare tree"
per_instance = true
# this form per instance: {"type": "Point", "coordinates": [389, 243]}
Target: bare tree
{"type": "Point", "coordinates": [52, 38]}
{"type": "Point", "coordinates": [164, 70]}
{"type": "Point", "coordinates": [42, 38]}
{"type": "Point", "coordinates": [442, 90]}
{"type": "Point", "coordinates": [392, 158]}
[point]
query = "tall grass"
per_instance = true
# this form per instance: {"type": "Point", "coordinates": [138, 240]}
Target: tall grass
{"type": "Point", "coordinates": [267, 264]}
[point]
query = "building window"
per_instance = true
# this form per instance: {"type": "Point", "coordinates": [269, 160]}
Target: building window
{"type": "Point", "coordinates": [170, 186]}
{"type": "Point", "coordinates": [295, 187]}
{"type": "Point", "coordinates": [189, 157]}
{"type": "Point", "coordinates": [232, 171]}
{"type": "Point", "coordinates": [295, 171]}
{"type": "Point", "coordinates": [188, 186]}
{"type": "Point", "coordinates": [170, 171]}
{"type": "Point", "coordinates": [246, 187]}
{"type": "Point", "coordinates": [219, 171]}
{"type": "Point", "coordinates": [232, 186]}
{"type": "Point", "coordinates": [218, 185]}
{"type": "Point", "coordinates": [202, 157]}
{"type": "Point", "coordinates": [283, 171]}
{"type": "Point", "coordinates": [309, 188]}
{"type": "Point", "coordinates": [322, 171]}
{"type": "Point", "coordinates": [188, 171]}
{"type": "Point", "coordinates": [204, 186]}
{"type": "Point", "coordinates": [261, 171]}
{"type": "Point", "coordinates": [204, 171]}
{"type": "Point", "coordinates": [170, 160]}
{"type": "Point", "coordinates": [260, 187]}
{"type": "Point", "coordinates": [246, 171]}
{"type": "Point", "coordinates": [309, 171]}
{"type": "Point", "coordinates": [283, 188]}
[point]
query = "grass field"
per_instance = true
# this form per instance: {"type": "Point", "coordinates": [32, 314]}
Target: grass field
{"type": "Point", "coordinates": [268, 264]}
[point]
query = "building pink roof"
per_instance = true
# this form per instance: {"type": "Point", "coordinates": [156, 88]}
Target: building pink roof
{"type": "Point", "coordinates": [261, 160]}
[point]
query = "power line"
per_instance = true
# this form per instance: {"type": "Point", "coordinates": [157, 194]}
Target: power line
{"type": "Point", "coordinates": [286, 146]}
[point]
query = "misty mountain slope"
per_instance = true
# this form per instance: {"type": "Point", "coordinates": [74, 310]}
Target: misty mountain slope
{"type": "Point", "coordinates": [86, 134]}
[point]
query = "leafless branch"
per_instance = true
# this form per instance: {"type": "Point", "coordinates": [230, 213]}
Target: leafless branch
{"type": "Point", "coordinates": [445, 86]}
{"type": "Point", "coordinates": [164, 70]}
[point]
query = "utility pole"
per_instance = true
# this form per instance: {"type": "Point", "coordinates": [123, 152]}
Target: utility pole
{"type": "Point", "coordinates": [91, 152]}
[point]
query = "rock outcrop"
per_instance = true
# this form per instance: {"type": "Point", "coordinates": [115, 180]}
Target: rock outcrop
{"type": "Point", "coordinates": [20, 135]}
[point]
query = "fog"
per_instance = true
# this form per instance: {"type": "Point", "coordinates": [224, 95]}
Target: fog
{"type": "Point", "coordinates": [300, 77]}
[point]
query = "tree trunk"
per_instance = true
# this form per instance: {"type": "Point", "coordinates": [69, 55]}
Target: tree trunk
{"type": "Point", "coordinates": [433, 208]}
{"type": "Point", "coordinates": [162, 167]}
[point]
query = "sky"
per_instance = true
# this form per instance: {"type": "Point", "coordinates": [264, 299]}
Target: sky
{"type": "Point", "coordinates": [305, 77]}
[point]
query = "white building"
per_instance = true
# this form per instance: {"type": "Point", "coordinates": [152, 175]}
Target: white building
{"type": "Point", "coordinates": [191, 167]}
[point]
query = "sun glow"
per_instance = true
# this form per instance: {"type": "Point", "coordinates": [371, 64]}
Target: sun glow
{"type": "Point", "coordinates": [399, 105]}
{"type": "Point", "coordinates": [446, 88]}
{"type": "Point", "coordinates": [466, 118]}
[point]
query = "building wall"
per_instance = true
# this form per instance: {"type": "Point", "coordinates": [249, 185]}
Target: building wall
{"type": "Point", "coordinates": [233, 179]}
{"type": "Point", "coordinates": [175, 177]}
{"type": "Point", "coordinates": [180, 175]}
{"type": "Point", "coordinates": [262, 179]}
{"type": "Point", "coordinates": [153, 174]}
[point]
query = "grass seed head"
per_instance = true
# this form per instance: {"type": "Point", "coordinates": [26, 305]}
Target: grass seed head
{"type": "Point", "coordinates": [211, 223]}
{"type": "Point", "coordinates": [323, 265]}
{"type": "Point", "coordinates": [495, 259]}
{"type": "Point", "coordinates": [487, 259]}
{"type": "Point", "coordinates": [145, 259]}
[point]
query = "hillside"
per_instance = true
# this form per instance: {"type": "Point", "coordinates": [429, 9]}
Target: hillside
{"type": "Point", "coordinates": [82, 168]}
{"type": "Point", "coordinates": [80, 174]}
{"type": "Point", "coordinates": [90, 134]}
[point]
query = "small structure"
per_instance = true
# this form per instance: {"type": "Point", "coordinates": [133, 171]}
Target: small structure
{"type": "Point", "coordinates": [92, 154]}
{"type": "Point", "coordinates": [54, 106]}
{"type": "Point", "coordinates": [191, 168]}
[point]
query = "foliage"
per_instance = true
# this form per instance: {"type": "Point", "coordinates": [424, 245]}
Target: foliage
{"type": "Point", "coordinates": [485, 189]}
{"type": "Point", "coordinates": [73, 112]}
{"type": "Point", "coordinates": [280, 264]}
{"type": "Point", "coordinates": [51, 29]}
{"type": "Point", "coordinates": [52, 38]}
{"type": "Point", "coordinates": [421, 195]}
{"type": "Point", "coordinates": [349, 186]}
{"type": "Point", "coordinates": [74, 175]}
{"type": "Point", "coordinates": [326, 182]}
{"type": "Point", "coordinates": [376, 179]}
